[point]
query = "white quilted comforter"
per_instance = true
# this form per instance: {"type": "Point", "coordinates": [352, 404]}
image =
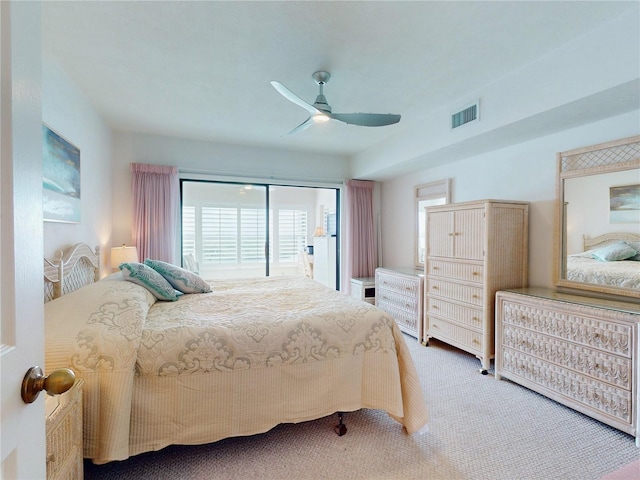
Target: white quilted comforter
{"type": "Point", "coordinates": [623, 273]}
{"type": "Point", "coordinates": [249, 355]}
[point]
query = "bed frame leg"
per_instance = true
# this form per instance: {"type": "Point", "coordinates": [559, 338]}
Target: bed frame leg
{"type": "Point", "coordinates": [341, 428]}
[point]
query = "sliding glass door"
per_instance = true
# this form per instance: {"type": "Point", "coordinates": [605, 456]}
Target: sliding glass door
{"type": "Point", "coordinates": [232, 230]}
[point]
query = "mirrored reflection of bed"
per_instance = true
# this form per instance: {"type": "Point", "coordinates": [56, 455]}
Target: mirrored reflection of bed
{"type": "Point", "coordinates": [612, 259]}
{"type": "Point", "coordinates": [235, 361]}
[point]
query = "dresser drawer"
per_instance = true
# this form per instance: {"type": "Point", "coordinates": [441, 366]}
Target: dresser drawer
{"type": "Point", "coordinates": [471, 317]}
{"type": "Point", "coordinates": [454, 291]}
{"type": "Point", "coordinates": [400, 293]}
{"type": "Point", "coordinates": [577, 326]}
{"type": "Point", "coordinates": [406, 320]}
{"type": "Point", "coordinates": [606, 367]}
{"type": "Point", "coordinates": [455, 270]}
{"type": "Point", "coordinates": [456, 335]}
{"type": "Point", "coordinates": [390, 298]}
{"type": "Point", "coordinates": [405, 285]}
{"type": "Point", "coordinates": [605, 399]}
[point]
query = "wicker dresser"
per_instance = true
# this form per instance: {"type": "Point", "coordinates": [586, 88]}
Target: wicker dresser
{"type": "Point", "coordinates": [473, 250]}
{"type": "Point", "coordinates": [399, 293]}
{"type": "Point", "coordinates": [64, 434]}
{"type": "Point", "coordinates": [579, 351]}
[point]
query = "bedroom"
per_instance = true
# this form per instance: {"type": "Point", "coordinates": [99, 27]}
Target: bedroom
{"type": "Point", "coordinates": [602, 106]}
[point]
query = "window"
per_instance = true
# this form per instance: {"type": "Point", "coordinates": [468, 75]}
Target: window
{"type": "Point", "coordinates": [434, 193]}
{"type": "Point", "coordinates": [189, 230]}
{"type": "Point", "coordinates": [224, 225]}
{"type": "Point", "coordinates": [219, 235]}
{"type": "Point", "coordinates": [292, 234]}
{"type": "Point", "coordinates": [252, 235]}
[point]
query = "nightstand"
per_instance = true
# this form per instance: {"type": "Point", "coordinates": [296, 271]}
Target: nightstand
{"type": "Point", "coordinates": [64, 434]}
{"type": "Point", "coordinates": [364, 288]}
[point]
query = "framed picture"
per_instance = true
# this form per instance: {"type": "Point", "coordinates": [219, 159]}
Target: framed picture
{"type": "Point", "coordinates": [60, 178]}
{"type": "Point", "coordinates": [624, 204]}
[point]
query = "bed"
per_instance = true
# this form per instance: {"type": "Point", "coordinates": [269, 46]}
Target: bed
{"type": "Point", "coordinates": [239, 360]}
{"type": "Point", "coordinates": [592, 266]}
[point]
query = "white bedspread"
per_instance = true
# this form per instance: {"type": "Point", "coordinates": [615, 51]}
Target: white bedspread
{"type": "Point", "coordinates": [237, 361]}
{"type": "Point", "coordinates": [623, 273]}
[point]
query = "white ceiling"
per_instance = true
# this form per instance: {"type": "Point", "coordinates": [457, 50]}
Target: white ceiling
{"type": "Point", "coordinates": [201, 70]}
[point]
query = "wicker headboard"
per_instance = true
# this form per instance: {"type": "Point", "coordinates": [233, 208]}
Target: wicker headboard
{"type": "Point", "coordinates": [74, 268]}
{"type": "Point", "coordinates": [608, 238]}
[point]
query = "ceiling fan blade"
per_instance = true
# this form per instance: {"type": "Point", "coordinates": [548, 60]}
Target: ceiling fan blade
{"type": "Point", "coordinates": [292, 97]}
{"type": "Point", "coordinates": [301, 127]}
{"type": "Point", "coordinates": [366, 119]}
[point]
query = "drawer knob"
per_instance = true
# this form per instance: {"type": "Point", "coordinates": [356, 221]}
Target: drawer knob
{"type": "Point", "coordinates": [58, 381]}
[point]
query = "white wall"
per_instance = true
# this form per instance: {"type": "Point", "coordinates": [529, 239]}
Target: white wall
{"type": "Point", "coordinates": [219, 161]}
{"type": "Point", "coordinates": [587, 200]}
{"type": "Point", "coordinates": [526, 171]}
{"type": "Point", "coordinates": [595, 76]}
{"type": "Point", "coordinates": [66, 111]}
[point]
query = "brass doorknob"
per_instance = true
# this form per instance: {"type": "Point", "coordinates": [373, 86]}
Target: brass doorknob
{"type": "Point", "coordinates": [57, 382]}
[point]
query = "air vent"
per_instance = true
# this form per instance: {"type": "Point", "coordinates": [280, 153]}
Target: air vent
{"type": "Point", "coordinates": [466, 115]}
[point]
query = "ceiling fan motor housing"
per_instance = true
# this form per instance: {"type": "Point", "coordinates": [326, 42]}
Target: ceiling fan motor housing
{"type": "Point", "coordinates": [321, 104]}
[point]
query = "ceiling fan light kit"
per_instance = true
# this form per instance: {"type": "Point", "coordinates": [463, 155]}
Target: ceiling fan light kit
{"type": "Point", "coordinates": [321, 111]}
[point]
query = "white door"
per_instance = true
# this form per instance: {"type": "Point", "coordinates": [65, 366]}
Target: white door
{"type": "Point", "coordinates": [22, 443]}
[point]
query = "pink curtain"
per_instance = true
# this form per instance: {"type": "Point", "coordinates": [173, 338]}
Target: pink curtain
{"type": "Point", "coordinates": [359, 242]}
{"type": "Point", "coordinates": [156, 200]}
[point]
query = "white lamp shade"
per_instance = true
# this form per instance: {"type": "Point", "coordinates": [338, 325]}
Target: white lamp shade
{"type": "Point", "coordinates": [123, 254]}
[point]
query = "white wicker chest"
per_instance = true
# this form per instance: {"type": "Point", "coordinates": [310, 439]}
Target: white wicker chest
{"type": "Point", "coordinates": [473, 250]}
{"type": "Point", "coordinates": [399, 292]}
{"type": "Point", "coordinates": [579, 351]}
{"type": "Point", "coordinates": [64, 434]}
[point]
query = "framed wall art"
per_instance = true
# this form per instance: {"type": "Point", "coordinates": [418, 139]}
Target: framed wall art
{"type": "Point", "coordinates": [624, 204]}
{"type": "Point", "coordinates": [60, 178]}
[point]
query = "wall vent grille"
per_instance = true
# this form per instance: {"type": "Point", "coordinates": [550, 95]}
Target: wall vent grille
{"type": "Point", "coordinates": [466, 115]}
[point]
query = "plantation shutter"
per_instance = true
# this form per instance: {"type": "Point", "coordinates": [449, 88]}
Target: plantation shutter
{"type": "Point", "coordinates": [292, 234]}
{"type": "Point", "coordinates": [219, 235]}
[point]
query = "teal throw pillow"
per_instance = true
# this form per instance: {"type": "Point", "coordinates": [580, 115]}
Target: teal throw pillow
{"type": "Point", "coordinates": [148, 278]}
{"type": "Point", "coordinates": [614, 252]}
{"type": "Point", "coordinates": [179, 278]}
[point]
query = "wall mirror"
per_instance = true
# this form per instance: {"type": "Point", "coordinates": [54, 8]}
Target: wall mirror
{"type": "Point", "coordinates": [434, 193]}
{"type": "Point", "coordinates": [598, 218]}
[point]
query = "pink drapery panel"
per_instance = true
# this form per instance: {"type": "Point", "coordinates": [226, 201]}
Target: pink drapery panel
{"type": "Point", "coordinates": [360, 236]}
{"type": "Point", "coordinates": [156, 199]}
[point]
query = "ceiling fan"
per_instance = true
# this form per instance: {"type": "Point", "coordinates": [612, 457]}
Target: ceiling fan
{"type": "Point", "coordinates": [320, 111]}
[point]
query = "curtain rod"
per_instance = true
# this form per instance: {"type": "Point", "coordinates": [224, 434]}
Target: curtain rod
{"type": "Point", "coordinates": [189, 174]}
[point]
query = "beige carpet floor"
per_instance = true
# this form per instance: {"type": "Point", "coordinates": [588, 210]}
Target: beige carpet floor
{"type": "Point", "coordinates": [480, 428]}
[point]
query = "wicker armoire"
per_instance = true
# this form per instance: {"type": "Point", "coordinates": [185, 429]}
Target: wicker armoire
{"type": "Point", "coordinates": [473, 249]}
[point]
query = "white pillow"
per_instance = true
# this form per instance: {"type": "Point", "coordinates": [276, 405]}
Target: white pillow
{"type": "Point", "coordinates": [636, 247]}
{"type": "Point", "coordinates": [179, 278]}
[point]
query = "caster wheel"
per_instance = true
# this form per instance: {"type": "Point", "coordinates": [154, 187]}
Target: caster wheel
{"type": "Point", "coordinates": [340, 429]}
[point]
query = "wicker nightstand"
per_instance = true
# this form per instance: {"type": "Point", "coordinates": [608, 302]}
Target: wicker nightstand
{"type": "Point", "coordinates": [364, 288]}
{"type": "Point", "coordinates": [64, 434]}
